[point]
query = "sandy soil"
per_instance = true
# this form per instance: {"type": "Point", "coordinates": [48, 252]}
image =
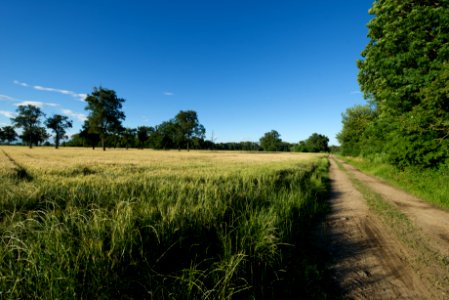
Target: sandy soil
{"type": "Point", "coordinates": [369, 261]}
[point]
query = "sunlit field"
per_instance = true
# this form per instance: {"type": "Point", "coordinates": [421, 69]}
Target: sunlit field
{"type": "Point", "coordinates": [82, 223]}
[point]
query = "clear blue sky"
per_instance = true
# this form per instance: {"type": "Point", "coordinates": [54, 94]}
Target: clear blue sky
{"type": "Point", "coordinates": [246, 67]}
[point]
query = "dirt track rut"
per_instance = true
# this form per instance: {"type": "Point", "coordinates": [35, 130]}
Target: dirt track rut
{"type": "Point", "coordinates": [369, 260]}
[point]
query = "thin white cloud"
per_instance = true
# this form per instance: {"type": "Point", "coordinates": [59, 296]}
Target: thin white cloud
{"type": "Point", "coordinates": [168, 94]}
{"type": "Point", "coordinates": [356, 93]}
{"type": "Point", "coordinates": [8, 114]}
{"type": "Point", "coordinates": [21, 83]}
{"type": "Point", "coordinates": [36, 103]}
{"type": "Point", "coordinates": [6, 98]}
{"type": "Point", "coordinates": [79, 96]}
{"type": "Point", "coordinates": [79, 116]}
{"type": "Point", "coordinates": [82, 96]}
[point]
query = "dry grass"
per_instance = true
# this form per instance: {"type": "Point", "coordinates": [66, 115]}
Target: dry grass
{"type": "Point", "coordinates": [49, 158]}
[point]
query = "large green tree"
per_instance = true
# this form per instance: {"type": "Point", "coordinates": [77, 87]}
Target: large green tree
{"type": "Point", "coordinates": [404, 73]}
{"type": "Point", "coordinates": [271, 141]}
{"type": "Point", "coordinates": [29, 119]}
{"type": "Point", "coordinates": [408, 51]}
{"type": "Point", "coordinates": [166, 135]}
{"type": "Point", "coordinates": [190, 128]}
{"type": "Point", "coordinates": [106, 115]}
{"type": "Point", "coordinates": [58, 124]}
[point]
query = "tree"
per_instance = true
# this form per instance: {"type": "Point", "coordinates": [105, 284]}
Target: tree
{"type": "Point", "coordinates": [143, 133]}
{"type": "Point", "coordinates": [315, 143]}
{"type": "Point", "coordinates": [404, 73]}
{"type": "Point", "coordinates": [167, 135]}
{"type": "Point", "coordinates": [407, 52]}
{"type": "Point", "coordinates": [106, 115]}
{"type": "Point", "coordinates": [58, 124]}
{"type": "Point", "coordinates": [40, 136]}
{"type": "Point", "coordinates": [29, 119]}
{"type": "Point", "coordinates": [8, 134]}
{"type": "Point", "coordinates": [356, 121]}
{"type": "Point", "coordinates": [129, 137]}
{"type": "Point", "coordinates": [271, 141]}
{"type": "Point", "coordinates": [89, 136]}
{"type": "Point", "coordinates": [35, 136]}
{"type": "Point", "coordinates": [190, 128]}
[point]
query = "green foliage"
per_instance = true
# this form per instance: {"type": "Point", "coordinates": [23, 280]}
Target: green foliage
{"type": "Point", "coordinates": [190, 128]}
{"type": "Point", "coordinates": [128, 137]}
{"type": "Point", "coordinates": [408, 51]}
{"type": "Point", "coordinates": [315, 143]}
{"type": "Point", "coordinates": [29, 120]}
{"type": "Point", "coordinates": [106, 115]}
{"type": "Point", "coordinates": [240, 146]}
{"type": "Point", "coordinates": [334, 149]}
{"type": "Point", "coordinates": [182, 132]}
{"type": "Point", "coordinates": [88, 136]}
{"type": "Point", "coordinates": [8, 134]}
{"type": "Point", "coordinates": [58, 124]}
{"type": "Point", "coordinates": [356, 121]}
{"type": "Point", "coordinates": [143, 133]}
{"type": "Point", "coordinates": [271, 141]}
{"type": "Point", "coordinates": [404, 74]}
{"type": "Point", "coordinates": [166, 135]}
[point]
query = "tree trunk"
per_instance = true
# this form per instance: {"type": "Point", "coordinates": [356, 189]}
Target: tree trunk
{"type": "Point", "coordinates": [102, 144]}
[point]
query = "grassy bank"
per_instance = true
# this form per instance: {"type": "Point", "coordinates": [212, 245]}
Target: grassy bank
{"type": "Point", "coordinates": [76, 224]}
{"type": "Point", "coordinates": [430, 185]}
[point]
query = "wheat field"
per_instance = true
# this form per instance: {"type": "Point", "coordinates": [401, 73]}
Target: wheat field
{"type": "Point", "coordinates": [78, 223]}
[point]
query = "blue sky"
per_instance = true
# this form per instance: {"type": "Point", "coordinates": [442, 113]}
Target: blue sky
{"type": "Point", "coordinates": [246, 67]}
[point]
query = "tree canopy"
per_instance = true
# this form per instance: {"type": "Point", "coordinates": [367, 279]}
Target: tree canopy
{"type": "Point", "coordinates": [29, 120]}
{"type": "Point", "coordinates": [106, 115]}
{"type": "Point", "coordinates": [189, 127]}
{"type": "Point", "coordinates": [356, 121]}
{"type": "Point", "coordinates": [315, 143]}
{"type": "Point", "coordinates": [58, 124]}
{"type": "Point", "coordinates": [403, 74]}
{"type": "Point", "coordinates": [271, 141]}
{"type": "Point", "coordinates": [8, 134]}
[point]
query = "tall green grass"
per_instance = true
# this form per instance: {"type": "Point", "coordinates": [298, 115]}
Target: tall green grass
{"type": "Point", "coordinates": [94, 233]}
{"type": "Point", "coordinates": [431, 185]}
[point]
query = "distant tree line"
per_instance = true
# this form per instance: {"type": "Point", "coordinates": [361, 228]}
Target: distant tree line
{"type": "Point", "coordinates": [29, 120]}
{"type": "Point", "coordinates": [404, 75]}
{"type": "Point", "coordinates": [103, 128]}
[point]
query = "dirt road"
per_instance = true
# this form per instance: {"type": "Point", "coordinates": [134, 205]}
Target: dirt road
{"type": "Point", "coordinates": [369, 260]}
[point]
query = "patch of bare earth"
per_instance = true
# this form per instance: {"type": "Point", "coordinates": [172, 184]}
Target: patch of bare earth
{"type": "Point", "coordinates": [369, 261]}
